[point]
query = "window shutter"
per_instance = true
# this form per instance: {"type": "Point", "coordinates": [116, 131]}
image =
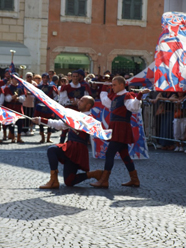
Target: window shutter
{"type": "Point", "coordinates": [126, 11]}
{"type": "Point", "coordinates": [7, 4]}
{"type": "Point", "coordinates": [132, 9]}
{"type": "Point", "coordinates": [82, 7]}
{"type": "Point", "coordinates": [137, 10]}
{"type": "Point", "coordinates": [70, 7]}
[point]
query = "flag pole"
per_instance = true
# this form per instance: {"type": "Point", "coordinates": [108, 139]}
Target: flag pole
{"type": "Point", "coordinates": [16, 112]}
{"type": "Point", "coordinates": [31, 118]}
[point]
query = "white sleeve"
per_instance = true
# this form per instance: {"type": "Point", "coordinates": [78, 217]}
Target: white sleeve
{"type": "Point", "coordinates": [104, 99]}
{"type": "Point", "coordinates": [133, 105]}
{"type": "Point", "coordinates": [57, 124]}
{"type": "Point", "coordinates": [2, 98]}
{"type": "Point", "coordinates": [63, 97]}
{"type": "Point", "coordinates": [8, 98]}
{"type": "Point", "coordinates": [86, 93]}
{"type": "Point", "coordinates": [55, 96]}
{"type": "Point", "coordinates": [22, 98]}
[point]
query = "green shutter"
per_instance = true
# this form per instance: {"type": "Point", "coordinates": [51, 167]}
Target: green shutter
{"type": "Point", "coordinates": [82, 8]}
{"type": "Point", "coordinates": [137, 9]}
{"type": "Point", "coordinates": [6, 4]}
{"type": "Point", "coordinates": [132, 9]}
{"type": "Point", "coordinates": [76, 7]}
{"type": "Point", "coordinates": [126, 11]}
{"type": "Point", "coordinates": [70, 7]}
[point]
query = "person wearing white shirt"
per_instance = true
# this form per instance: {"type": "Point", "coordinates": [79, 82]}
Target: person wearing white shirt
{"type": "Point", "coordinates": [121, 105]}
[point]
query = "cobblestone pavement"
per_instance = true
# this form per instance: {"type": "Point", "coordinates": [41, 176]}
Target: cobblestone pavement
{"type": "Point", "coordinates": [153, 215]}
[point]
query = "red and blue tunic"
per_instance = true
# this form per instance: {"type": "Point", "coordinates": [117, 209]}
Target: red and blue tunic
{"type": "Point", "coordinates": [121, 106]}
{"type": "Point", "coordinates": [41, 109]}
{"type": "Point", "coordinates": [120, 120]}
{"type": "Point", "coordinates": [11, 90]}
{"type": "Point", "coordinates": [72, 93]}
{"type": "Point", "coordinates": [76, 147]}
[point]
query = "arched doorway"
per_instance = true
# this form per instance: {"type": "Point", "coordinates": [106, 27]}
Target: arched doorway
{"type": "Point", "coordinates": [127, 64]}
{"type": "Point", "coordinates": [66, 62]}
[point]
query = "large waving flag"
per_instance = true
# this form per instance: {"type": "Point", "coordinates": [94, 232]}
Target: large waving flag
{"type": "Point", "coordinates": [145, 78]}
{"type": "Point", "coordinates": [74, 119]}
{"type": "Point", "coordinates": [8, 117]}
{"type": "Point", "coordinates": [170, 56]}
{"type": "Point", "coordinates": [138, 150]}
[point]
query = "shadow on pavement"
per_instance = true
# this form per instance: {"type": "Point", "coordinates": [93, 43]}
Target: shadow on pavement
{"type": "Point", "coordinates": [36, 208]}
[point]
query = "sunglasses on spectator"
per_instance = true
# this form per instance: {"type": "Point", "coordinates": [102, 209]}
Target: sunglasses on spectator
{"type": "Point", "coordinates": [28, 76]}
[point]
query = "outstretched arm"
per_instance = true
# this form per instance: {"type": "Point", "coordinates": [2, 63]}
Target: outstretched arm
{"type": "Point", "coordinates": [57, 124]}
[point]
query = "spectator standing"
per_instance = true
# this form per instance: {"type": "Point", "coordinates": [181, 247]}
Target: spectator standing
{"type": "Point", "coordinates": [51, 73]}
{"type": "Point", "coordinates": [69, 77]}
{"type": "Point", "coordinates": [28, 106]}
{"type": "Point", "coordinates": [14, 97]}
{"type": "Point", "coordinates": [81, 77]}
{"type": "Point", "coordinates": [70, 95]}
{"type": "Point", "coordinates": [37, 78]}
{"type": "Point", "coordinates": [179, 122]}
{"type": "Point", "coordinates": [62, 82]}
{"type": "Point", "coordinates": [6, 80]}
{"type": "Point", "coordinates": [41, 109]}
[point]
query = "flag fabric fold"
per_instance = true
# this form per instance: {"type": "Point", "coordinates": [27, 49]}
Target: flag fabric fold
{"type": "Point", "coordinates": [145, 78]}
{"type": "Point", "coordinates": [8, 117]}
{"type": "Point", "coordinates": [74, 119]}
{"type": "Point", "coordinates": [170, 55]}
{"type": "Point", "coordinates": [138, 150]}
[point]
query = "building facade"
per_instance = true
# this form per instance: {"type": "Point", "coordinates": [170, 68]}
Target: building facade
{"type": "Point", "coordinates": [94, 35]}
{"type": "Point", "coordinates": [24, 30]}
{"type": "Point", "coordinates": [64, 35]}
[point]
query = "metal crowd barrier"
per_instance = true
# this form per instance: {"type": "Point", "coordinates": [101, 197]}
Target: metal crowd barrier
{"type": "Point", "coordinates": [163, 122]}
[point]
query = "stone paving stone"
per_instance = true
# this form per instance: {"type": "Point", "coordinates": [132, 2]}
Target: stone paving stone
{"type": "Point", "coordinates": [153, 215]}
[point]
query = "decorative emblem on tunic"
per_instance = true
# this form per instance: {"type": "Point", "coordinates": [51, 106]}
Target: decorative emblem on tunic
{"type": "Point", "coordinates": [77, 94]}
{"type": "Point", "coordinates": [114, 104]}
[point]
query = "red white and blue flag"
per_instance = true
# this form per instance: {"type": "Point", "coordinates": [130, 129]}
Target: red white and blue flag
{"type": "Point", "coordinates": [12, 67]}
{"type": "Point", "coordinates": [138, 150]}
{"type": "Point", "coordinates": [8, 117]}
{"type": "Point", "coordinates": [74, 119]}
{"type": "Point", "coordinates": [145, 78]}
{"type": "Point", "coordinates": [170, 56]}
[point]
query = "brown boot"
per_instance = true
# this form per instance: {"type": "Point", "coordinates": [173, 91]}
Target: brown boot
{"type": "Point", "coordinates": [13, 138]}
{"type": "Point", "coordinates": [103, 182]}
{"type": "Point", "coordinates": [4, 134]}
{"type": "Point", "coordinates": [48, 138]}
{"type": "Point", "coordinates": [9, 135]}
{"type": "Point", "coordinates": [134, 180]}
{"type": "Point", "coordinates": [53, 183]}
{"type": "Point", "coordinates": [42, 137]}
{"type": "Point", "coordinates": [19, 140]}
{"type": "Point", "coordinates": [95, 174]}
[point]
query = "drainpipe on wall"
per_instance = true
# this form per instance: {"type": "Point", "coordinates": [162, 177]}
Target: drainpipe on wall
{"type": "Point", "coordinates": [104, 12]}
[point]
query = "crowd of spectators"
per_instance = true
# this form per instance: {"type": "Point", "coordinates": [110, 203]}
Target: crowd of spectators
{"type": "Point", "coordinates": [169, 113]}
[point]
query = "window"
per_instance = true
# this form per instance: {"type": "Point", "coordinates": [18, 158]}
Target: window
{"type": "Point", "coordinates": [7, 5]}
{"type": "Point", "coordinates": [132, 9]}
{"type": "Point", "coordinates": [76, 10]}
{"type": "Point", "coordinates": [76, 7]}
{"type": "Point", "coordinates": [9, 8]}
{"type": "Point", "coordinates": [132, 12]}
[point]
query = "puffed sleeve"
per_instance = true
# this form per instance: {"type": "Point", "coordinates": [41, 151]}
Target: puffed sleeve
{"type": "Point", "coordinates": [105, 99]}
